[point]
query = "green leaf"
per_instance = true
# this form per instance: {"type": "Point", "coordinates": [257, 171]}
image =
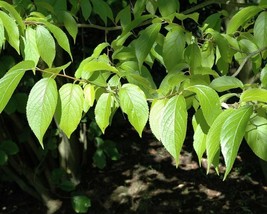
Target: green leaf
{"type": "Point", "coordinates": [208, 100]}
{"type": "Point", "coordinates": [173, 47]}
{"type": "Point", "coordinates": [139, 7]}
{"type": "Point", "coordinates": [11, 30]}
{"type": "Point", "coordinates": [3, 158]}
{"type": "Point", "coordinates": [199, 143]}
{"type": "Point", "coordinates": [30, 48]}
{"type": "Point", "coordinates": [256, 136]}
{"type": "Point", "coordinates": [260, 31]}
{"type": "Point", "coordinates": [254, 94]}
{"type": "Point", "coordinates": [70, 24]}
{"type": "Point", "coordinates": [9, 147]}
{"type": "Point", "coordinates": [225, 83]}
{"type": "Point", "coordinates": [103, 111]}
{"type": "Point", "coordinates": [80, 203]}
{"type": "Point", "coordinates": [124, 16]}
{"type": "Point", "coordinates": [86, 9]}
{"type": "Point", "coordinates": [145, 42]}
{"type": "Point", "coordinates": [46, 45]}
{"type": "Point", "coordinates": [169, 8]}
{"type": "Point", "coordinates": [99, 66]}
{"type": "Point", "coordinates": [207, 53]}
{"type": "Point", "coordinates": [192, 56]}
{"type": "Point", "coordinates": [70, 108]}
{"type": "Point", "coordinates": [101, 8]}
{"type": "Point", "coordinates": [52, 72]}
{"type": "Point", "coordinates": [60, 36]}
{"type": "Point", "coordinates": [155, 116]}
{"type": "Point", "coordinates": [13, 12]}
{"type": "Point", "coordinates": [2, 34]}
{"type": "Point", "coordinates": [41, 106]}
{"type": "Point", "coordinates": [133, 103]}
{"type": "Point", "coordinates": [232, 133]}
{"type": "Point", "coordinates": [89, 97]}
{"type": "Point", "coordinates": [10, 81]}
{"type": "Point", "coordinates": [223, 46]}
{"type": "Point", "coordinates": [241, 17]}
{"type": "Point", "coordinates": [173, 127]}
{"type": "Point", "coordinates": [213, 136]}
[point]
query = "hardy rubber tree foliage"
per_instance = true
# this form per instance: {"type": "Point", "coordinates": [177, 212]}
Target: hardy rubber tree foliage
{"type": "Point", "coordinates": [217, 69]}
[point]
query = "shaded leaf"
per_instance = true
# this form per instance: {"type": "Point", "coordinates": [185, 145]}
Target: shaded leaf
{"type": "Point", "coordinates": [169, 8]}
{"type": "Point", "coordinates": [260, 31]}
{"type": "Point", "coordinates": [41, 106]}
{"type": "Point", "coordinates": [86, 9]}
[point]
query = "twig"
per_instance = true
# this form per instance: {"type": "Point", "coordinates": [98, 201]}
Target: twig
{"type": "Point", "coordinates": [246, 59]}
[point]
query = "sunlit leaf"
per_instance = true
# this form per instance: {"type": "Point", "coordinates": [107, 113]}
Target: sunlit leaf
{"type": "Point", "coordinates": [174, 125]}
{"type": "Point", "coordinates": [254, 94]}
{"type": "Point", "coordinates": [103, 111]}
{"type": "Point", "coordinates": [145, 42]}
{"type": "Point", "coordinates": [10, 81]}
{"type": "Point", "coordinates": [225, 83]}
{"type": "Point", "coordinates": [41, 106]}
{"type": "Point", "coordinates": [11, 30]}
{"type": "Point", "coordinates": [232, 133]}
{"type": "Point", "coordinates": [133, 103]}
{"type": "Point", "coordinates": [192, 56]}
{"type": "Point", "coordinates": [213, 136]}
{"type": "Point", "coordinates": [30, 48]}
{"type": "Point", "coordinates": [70, 108]}
{"type": "Point", "coordinates": [241, 17]}
{"type": "Point", "coordinates": [260, 31]}
{"type": "Point", "coordinates": [155, 116]}
{"type": "Point", "coordinates": [45, 44]}
{"type": "Point", "coordinates": [208, 100]}
{"type": "Point", "coordinates": [89, 97]}
{"type": "Point", "coordinates": [256, 136]}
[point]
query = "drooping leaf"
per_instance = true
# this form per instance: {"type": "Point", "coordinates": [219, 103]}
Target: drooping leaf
{"type": "Point", "coordinates": [101, 8]}
{"type": "Point", "coordinates": [103, 111]}
{"type": "Point", "coordinates": [173, 48]}
{"type": "Point", "coordinates": [256, 136]}
{"type": "Point", "coordinates": [155, 116]}
{"type": "Point", "coordinates": [207, 53]}
{"type": "Point", "coordinates": [14, 13]}
{"type": "Point", "coordinates": [89, 97]}
{"type": "Point", "coordinates": [145, 42]}
{"type": "Point", "coordinates": [30, 48]}
{"type": "Point", "coordinates": [139, 7]}
{"type": "Point", "coordinates": [260, 31]}
{"type": "Point", "coordinates": [213, 136]}
{"type": "Point", "coordinates": [192, 56]}
{"type": "Point", "coordinates": [11, 30]}
{"type": "Point", "coordinates": [208, 100]}
{"type": "Point", "coordinates": [124, 16]}
{"type": "Point", "coordinates": [225, 83]}
{"type": "Point", "coordinates": [232, 133]}
{"type": "Point", "coordinates": [174, 124]}
{"type": "Point", "coordinates": [60, 36]}
{"type": "Point", "coordinates": [254, 94]}
{"type": "Point", "coordinates": [86, 9]}
{"type": "Point", "coordinates": [241, 17]}
{"type": "Point", "coordinates": [199, 143]}
{"type": "Point", "coordinates": [52, 72]}
{"type": "Point", "coordinates": [46, 45]}
{"type": "Point", "coordinates": [133, 103]}
{"type": "Point", "coordinates": [70, 24]}
{"type": "Point", "coordinates": [70, 108]}
{"type": "Point", "coordinates": [41, 106]}
{"type": "Point", "coordinates": [10, 81]}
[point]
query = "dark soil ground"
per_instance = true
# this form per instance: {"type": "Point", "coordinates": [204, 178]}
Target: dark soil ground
{"type": "Point", "coordinates": [145, 180]}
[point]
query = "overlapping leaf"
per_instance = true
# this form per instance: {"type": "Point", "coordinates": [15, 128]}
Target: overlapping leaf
{"type": "Point", "coordinates": [174, 124]}
{"type": "Point", "coordinates": [233, 131]}
{"type": "Point", "coordinates": [30, 48]}
{"type": "Point", "coordinates": [70, 108]}
{"type": "Point", "coordinates": [133, 103]}
{"type": "Point", "coordinates": [254, 94]}
{"type": "Point", "coordinates": [10, 81]}
{"type": "Point", "coordinates": [225, 83]}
